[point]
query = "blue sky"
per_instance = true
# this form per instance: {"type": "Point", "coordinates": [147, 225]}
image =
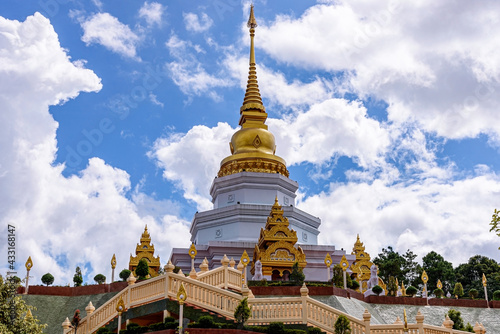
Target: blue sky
{"type": "Point", "coordinates": [116, 115]}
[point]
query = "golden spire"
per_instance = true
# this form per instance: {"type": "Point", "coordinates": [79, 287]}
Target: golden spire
{"type": "Point", "coordinates": [252, 111]}
{"type": "Point", "coordinates": [252, 147]}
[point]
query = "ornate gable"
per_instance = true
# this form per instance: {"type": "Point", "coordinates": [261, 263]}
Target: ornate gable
{"type": "Point", "coordinates": [276, 246]}
{"type": "Point", "coordinates": [145, 250]}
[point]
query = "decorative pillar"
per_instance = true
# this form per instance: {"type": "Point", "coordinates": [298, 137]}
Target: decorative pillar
{"type": "Point", "coordinates": [448, 323]}
{"type": "Point", "coordinates": [192, 253]}
{"type": "Point", "coordinates": [245, 260]}
{"type": "Point", "coordinates": [240, 268]}
{"type": "Point", "coordinates": [425, 278]}
{"type": "Point", "coordinates": [225, 264]}
{"type": "Point", "coordinates": [328, 263]}
{"type": "Point", "coordinates": [66, 325]}
{"type": "Point", "coordinates": [405, 328]}
{"type": "Point", "coordinates": [113, 266]}
{"type": "Point", "coordinates": [181, 298]}
{"type": "Point", "coordinates": [420, 322]}
{"type": "Point", "coordinates": [366, 319]}
{"type": "Point", "coordinates": [90, 309]}
{"type": "Point", "coordinates": [131, 279]}
{"type": "Point", "coordinates": [120, 308]}
{"type": "Point", "coordinates": [28, 265]}
{"type": "Point", "coordinates": [344, 264]}
{"type": "Point", "coordinates": [479, 328]}
{"type": "Point", "coordinates": [485, 291]}
{"type": "Point", "coordinates": [304, 293]}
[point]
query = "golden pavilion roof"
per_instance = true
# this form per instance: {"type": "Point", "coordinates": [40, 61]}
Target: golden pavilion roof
{"type": "Point", "coordinates": [145, 250]}
{"type": "Point", "coordinates": [253, 146]}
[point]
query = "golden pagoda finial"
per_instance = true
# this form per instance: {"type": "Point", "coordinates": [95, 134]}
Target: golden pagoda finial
{"type": "Point", "coordinates": [252, 101]}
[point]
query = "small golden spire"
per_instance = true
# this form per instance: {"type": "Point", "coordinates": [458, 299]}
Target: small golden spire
{"type": "Point", "coordinates": [252, 101]}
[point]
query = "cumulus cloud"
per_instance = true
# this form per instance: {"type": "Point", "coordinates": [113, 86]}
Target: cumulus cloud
{"type": "Point", "coordinates": [179, 156]}
{"type": "Point", "coordinates": [61, 222]}
{"type": "Point", "coordinates": [188, 73]}
{"type": "Point", "coordinates": [152, 13]}
{"type": "Point", "coordinates": [431, 62]}
{"type": "Point", "coordinates": [108, 31]}
{"type": "Point", "coordinates": [197, 23]}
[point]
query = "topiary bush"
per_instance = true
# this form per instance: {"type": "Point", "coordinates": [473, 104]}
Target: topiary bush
{"type": "Point", "coordinates": [104, 330]}
{"type": "Point", "coordinates": [315, 330]}
{"type": "Point", "coordinates": [496, 295]}
{"type": "Point", "coordinates": [455, 316]}
{"type": "Point", "coordinates": [100, 278]}
{"type": "Point", "coordinates": [411, 291]}
{"type": "Point", "coordinates": [47, 279]}
{"type": "Point", "coordinates": [473, 293]}
{"type": "Point", "coordinates": [354, 285]}
{"type": "Point", "coordinates": [142, 269]}
{"type": "Point", "coordinates": [343, 325]}
{"type": "Point", "coordinates": [439, 293]}
{"type": "Point", "coordinates": [377, 289]}
{"type": "Point", "coordinates": [458, 291]}
{"type": "Point", "coordinates": [276, 328]}
{"type": "Point", "coordinates": [206, 321]}
{"type": "Point", "coordinates": [124, 274]}
{"type": "Point", "coordinates": [242, 312]}
{"type": "Point", "coordinates": [297, 276]}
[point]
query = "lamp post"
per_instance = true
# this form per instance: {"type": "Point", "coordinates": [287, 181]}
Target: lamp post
{"type": "Point", "coordinates": [113, 266]}
{"type": "Point", "coordinates": [328, 262]}
{"type": "Point", "coordinates": [425, 278]}
{"type": "Point", "coordinates": [485, 290]}
{"type": "Point", "coordinates": [28, 265]}
{"type": "Point", "coordinates": [120, 308]}
{"type": "Point", "coordinates": [344, 264]}
{"type": "Point", "coordinates": [245, 260]}
{"type": "Point", "coordinates": [181, 298]}
{"type": "Point", "coordinates": [192, 253]}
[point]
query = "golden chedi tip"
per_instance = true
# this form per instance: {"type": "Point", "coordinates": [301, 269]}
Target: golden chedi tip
{"type": "Point", "coordinates": [253, 146]}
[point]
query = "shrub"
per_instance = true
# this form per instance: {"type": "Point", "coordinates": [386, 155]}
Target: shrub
{"type": "Point", "coordinates": [411, 291]}
{"type": "Point", "coordinates": [100, 278]}
{"type": "Point", "coordinates": [206, 321]}
{"type": "Point", "coordinates": [469, 328]}
{"type": "Point", "coordinates": [458, 291]}
{"type": "Point", "coordinates": [439, 292]}
{"type": "Point", "coordinates": [343, 325]}
{"type": "Point", "coordinates": [15, 279]}
{"type": "Point", "coordinates": [104, 330]}
{"type": "Point", "coordinates": [142, 269]}
{"type": "Point", "coordinates": [455, 316]}
{"type": "Point", "coordinates": [315, 330]}
{"type": "Point", "coordinates": [276, 328]}
{"type": "Point", "coordinates": [77, 278]}
{"type": "Point", "coordinates": [473, 293]}
{"type": "Point", "coordinates": [133, 328]}
{"type": "Point", "coordinates": [124, 274]}
{"type": "Point", "coordinates": [242, 312]}
{"type": "Point", "coordinates": [297, 276]}
{"type": "Point", "coordinates": [157, 326]}
{"type": "Point", "coordinates": [496, 295]}
{"type": "Point", "coordinates": [354, 285]}
{"type": "Point", "coordinates": [377, 289]}
{"type": "Point", "coordinates": [47, 279]}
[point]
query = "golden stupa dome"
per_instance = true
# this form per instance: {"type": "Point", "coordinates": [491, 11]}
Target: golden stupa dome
{"type": "Point", "coordinates": [253, 146]}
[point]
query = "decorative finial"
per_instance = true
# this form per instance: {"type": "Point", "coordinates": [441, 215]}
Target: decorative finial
{"type": "Point", "coordinates": [252, 23]}
{"type": "Point", "coordinates": [252, 101]}
{"type": "Point", "coordinates": [29, 264]}
{"type": "Point", "coordinates": [113, 262]}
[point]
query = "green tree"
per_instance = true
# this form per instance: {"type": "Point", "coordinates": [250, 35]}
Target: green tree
{"type": "Point", "coordinates": [242, 312]}
{"type": "Point", "coordinates": [14, 316]}
{"type": "Point", "coordinates": [78, 278]}
{"type": "Point", "coordinates": [458, 290]}
{"type": "Point", "coordinates": [100, 278]}
{"type": "Point", "coordinates": [470, 274]}
{"type": "Point", "coordinates": [142, 269]}
{"type": "Point", "coordinates": [390, 263]}
{"type": "Point", "coordinates": [439, 292]}
{"type": "Point", "coordinates": [437, 268]}
{"type": "Point", "coordinates": [377, 289]}
{"type": "Point", "coordinates": [495, 223]}
{"type": "Point", "coordinates": [411, 268]}
{"type": "Point", "coordinates": [338, 277]}
{"type": "Point", "coordinates": [473, 293]}
{"type": "Point", "coordinates": [342, 325]}
{"type": "Point", "coordinates": [411, 291]}
{"type": "Point", "coordinates": [47, 279]}
{"type": "Point", "coordinates": [455, 316]}
{"type": "Point", "coordinates": [124, 274]}
{"type": "Point", "coordinates": [297, 276]}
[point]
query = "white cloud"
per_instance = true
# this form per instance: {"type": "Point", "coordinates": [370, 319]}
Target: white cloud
{"type": "Point", "coordinates": [179, 156]}
{"type": "Point", "coordinates": [61, 222]}
{"type": "Point", "coordinates": [105, 29]}
{"type": "Point", "coordinates": [197, 24]}
{"type": "Point", "coordinates": [189, 74]}
{"type": "Point", "coordinates": [434, 63]}
{"type": "Point", "coordinates": [154, 99]}
{"type": "Point", "coordinates": [152, 13]}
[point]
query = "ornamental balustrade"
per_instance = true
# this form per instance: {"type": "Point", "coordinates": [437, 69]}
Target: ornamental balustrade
{"type": "Point", "coordinates": [211, 290]}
